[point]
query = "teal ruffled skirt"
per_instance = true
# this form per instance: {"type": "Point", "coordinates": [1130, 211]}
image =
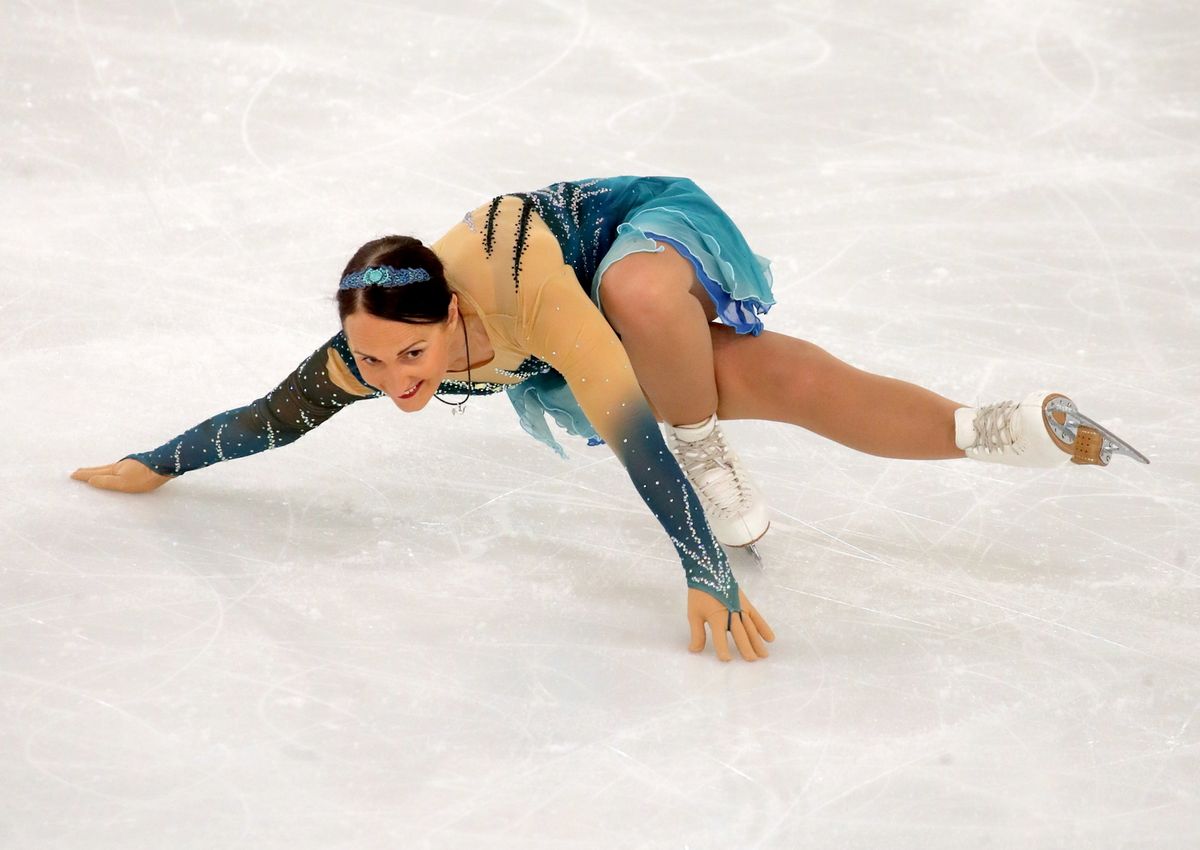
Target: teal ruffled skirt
{"type": "Point", "coordinates": [737, 280]}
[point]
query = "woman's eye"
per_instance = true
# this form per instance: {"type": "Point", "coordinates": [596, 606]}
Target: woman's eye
{"type": "Point", "coordinates": [372, 361]}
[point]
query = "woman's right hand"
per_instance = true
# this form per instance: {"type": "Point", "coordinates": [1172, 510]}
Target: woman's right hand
{"type": "Point", "coordinates": [127, 476]}
{"type": "Point", "coordinates": [748, 627]}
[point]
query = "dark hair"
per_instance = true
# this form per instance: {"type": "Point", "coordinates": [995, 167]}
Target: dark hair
{"type": "Point", "coordinates": [422, 303]}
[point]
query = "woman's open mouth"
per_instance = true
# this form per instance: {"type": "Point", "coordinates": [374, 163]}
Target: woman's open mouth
{"type": "Point", "coordinates": [413, 391]}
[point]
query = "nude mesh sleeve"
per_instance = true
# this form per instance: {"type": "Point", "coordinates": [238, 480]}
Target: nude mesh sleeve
{"type": "Point", "coordinates": [565, 329]}
{"type": "Point", "coordinates": [319, 387]}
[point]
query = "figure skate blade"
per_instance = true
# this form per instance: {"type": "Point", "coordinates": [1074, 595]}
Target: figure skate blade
{"type": "Point", "coordinates": [1087, 440]}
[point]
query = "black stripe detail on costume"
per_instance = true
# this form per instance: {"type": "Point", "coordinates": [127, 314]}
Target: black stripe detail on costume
{"type": "Point", "coordinates": [489, 232]}
{"type": "Point", "coordinates": [522, 237]}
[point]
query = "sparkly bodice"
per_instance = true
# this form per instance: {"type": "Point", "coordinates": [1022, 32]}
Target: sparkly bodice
{"type": "Point", "coordinates": [528, 368]}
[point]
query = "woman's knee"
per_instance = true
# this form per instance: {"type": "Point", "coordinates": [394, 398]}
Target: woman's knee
{"type": "Point", "coordinates": [808, 375]}
{"type": "Point", "coordinates": [762, 377]}
{"type": "Point", "coordinates": [646, 289]}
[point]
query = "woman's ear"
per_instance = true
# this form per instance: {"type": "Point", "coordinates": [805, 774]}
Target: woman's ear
{"type": "Point", "coordinates": [453, 316]}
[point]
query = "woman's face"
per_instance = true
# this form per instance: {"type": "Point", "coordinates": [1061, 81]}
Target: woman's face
{"type": "Point", "coordinates": [407, 361]}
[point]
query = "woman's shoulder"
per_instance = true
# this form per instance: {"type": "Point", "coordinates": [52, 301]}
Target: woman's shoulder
{"type": "Point", "coordinates": [503, 235]}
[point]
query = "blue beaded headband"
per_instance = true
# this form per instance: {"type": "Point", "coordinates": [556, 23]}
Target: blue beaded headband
{"type": "Point", "coordinates": [383, 276]}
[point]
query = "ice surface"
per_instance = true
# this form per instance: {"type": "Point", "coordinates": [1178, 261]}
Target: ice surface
{"type": "Point", "coordinates": [429, 631]}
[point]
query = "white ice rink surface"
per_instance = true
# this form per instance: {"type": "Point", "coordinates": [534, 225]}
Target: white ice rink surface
{"type": "Point", "coordinates": [429, 632]}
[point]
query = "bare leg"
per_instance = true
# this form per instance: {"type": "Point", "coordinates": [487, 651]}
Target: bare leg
{"type": "Point", "coordinates": [690, 368]}
{"type": "Point", "coordinates": [784, 379]}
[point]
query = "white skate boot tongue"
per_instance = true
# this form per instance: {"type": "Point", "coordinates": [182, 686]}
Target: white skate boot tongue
{"type": "Point", "coordinates": [720, 486]}
{"type": "Point", "coordinates": [710, 473]}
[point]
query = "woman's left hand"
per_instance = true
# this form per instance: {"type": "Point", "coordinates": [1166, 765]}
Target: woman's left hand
{"type": "Point", "coordinates": [748, 627]}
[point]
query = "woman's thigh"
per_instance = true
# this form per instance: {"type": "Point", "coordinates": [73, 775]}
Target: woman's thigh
{"type": "Point", "coordinates": [773, 376]}
{"type": "Point", "coordinates": [645, 285]}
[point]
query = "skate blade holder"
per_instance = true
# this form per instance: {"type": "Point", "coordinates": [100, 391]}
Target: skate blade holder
{"type": "Point", "coordinates": [1088, 442]}
{"type": "Point", "coordinates": [751, 548]}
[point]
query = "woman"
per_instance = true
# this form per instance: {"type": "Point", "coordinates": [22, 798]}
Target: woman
{"type": "Point", "coordinates": [596, 302]}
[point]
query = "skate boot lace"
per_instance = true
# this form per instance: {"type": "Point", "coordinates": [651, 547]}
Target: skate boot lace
{"type": "Point", "coordinates": [994, 426]}
{"type": "Point", "coordinates": [726, 490]}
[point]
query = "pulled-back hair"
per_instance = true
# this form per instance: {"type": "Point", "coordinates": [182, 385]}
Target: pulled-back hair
{"type": "Point", "coordinates": [422, 303]}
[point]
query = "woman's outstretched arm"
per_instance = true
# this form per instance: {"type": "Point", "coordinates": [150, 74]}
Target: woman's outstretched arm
{"type": "Point", "coordinates": [324, 383]}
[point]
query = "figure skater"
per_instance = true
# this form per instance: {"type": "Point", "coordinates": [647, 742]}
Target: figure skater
{"type": "Point", "coordinates": [613, 304]}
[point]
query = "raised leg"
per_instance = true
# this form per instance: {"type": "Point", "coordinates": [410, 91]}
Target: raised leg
{"type": "Point", "coordinates": [690, 368]}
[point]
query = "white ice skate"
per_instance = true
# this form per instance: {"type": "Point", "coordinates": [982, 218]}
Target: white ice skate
{"type": "Point", "coordinates": [732, 504]}
{"type": "Point", "coordinates": [1045, 429]}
